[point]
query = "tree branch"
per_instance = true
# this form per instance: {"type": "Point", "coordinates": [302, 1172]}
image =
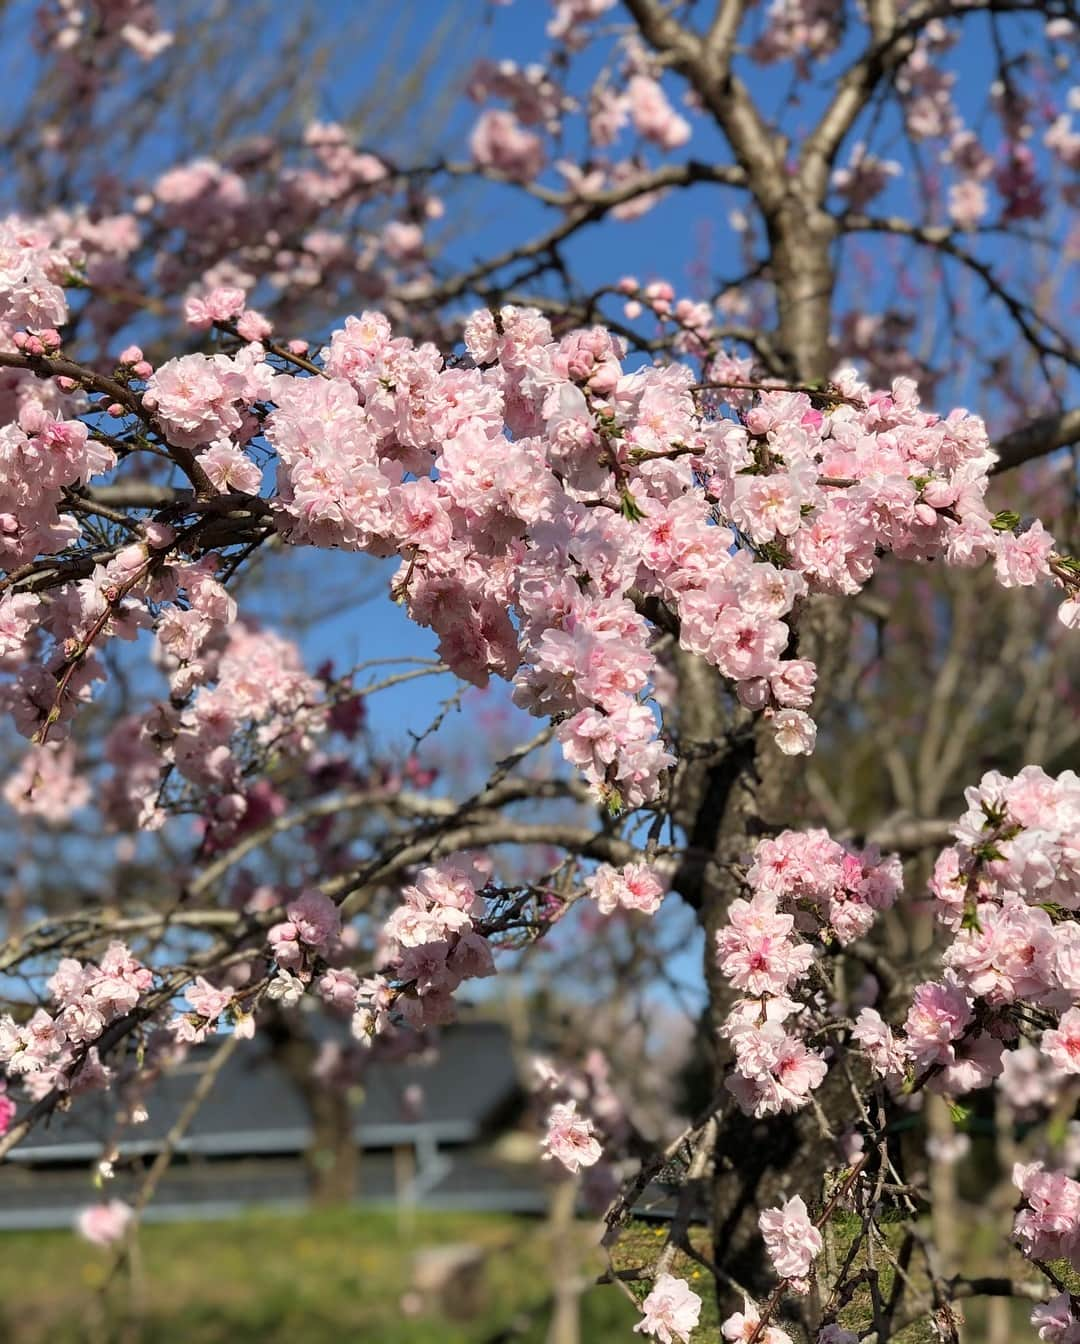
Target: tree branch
{"type": "Point", "coordinates": [724, 94]}
{"type": "Point", "coordinates": [946, 241]}
{"type": "Point", "coordinates": [1036, 439]}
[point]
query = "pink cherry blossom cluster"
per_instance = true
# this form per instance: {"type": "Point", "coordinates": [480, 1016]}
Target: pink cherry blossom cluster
{"type": "Point", "coordinates": [209, 1004]}
{"type": "Point", "coordinates": [41, 455]}
{"type": "Point", "coordinates": [39, 258]}
{"type": "Point", "coordinates": [511, 141]}
{"type": "Point", "coordinates": [431, 943]}
{"type": "Point", "coordinates": [801, 883]}
{"type": "Point", "coordinates": [635, 886]}
{"type": "Point", "coordinates": [47, 784]}
{"type": "Point", "coordinates": [219, 210]}
{"type": "Point", "coordinates": [1004, 889]}
{"type": "Point", "coordinates": [235, 688]}
{"type": "Point", "coordinates": [1048, 1226]}
{"type": "Point", "coordinates": [225, 306]}
{"type": "Point", "coordinates": [569, 21]}
{"type": "Point", "coordinates": [200, 399]}
{"type": "Point", "coordinates": [625, 484]}
{"type": "Point", "coordinates": [573, 1136]}
{"type": "Point", "coordinates": [310, 931]}
{"type": "Point", "coordinates": [319, 238]}
{"type": "Point", "coordinates": [617, 480]}
{"type": "Point", "coordinates": [1016, 840]}
{"type": "Point", "coordinates": [57, 1049]}
{"type": "Point", "coordinates": [842, 889]}
{"type": "Point", "coordinates": [90, 32]}
{"type": "Point", "coordinates": [33, 268]}
{"type": "Point", "coordinates": [799, 30]}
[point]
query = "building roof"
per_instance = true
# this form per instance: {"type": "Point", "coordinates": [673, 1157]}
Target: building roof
{"type": "Point", "coordinates": [254, 1108]}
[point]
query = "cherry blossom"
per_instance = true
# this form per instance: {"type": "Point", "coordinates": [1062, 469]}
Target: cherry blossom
{"type": "Point", "coordinates": [747, 1324]}
{"type": "Point", "coordinates": [570, 1138]}
{"type": "Point", "coordinates": [793, 1242]}
{"type": "Point", "coordinates": [670, 1312]}
{"type": "Point", "coordinates": [635, 887]}
{"type": "Point", "coordinates": [104, 1224]}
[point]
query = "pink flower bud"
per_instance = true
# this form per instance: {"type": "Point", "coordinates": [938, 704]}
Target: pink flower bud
{"type": "Point", "coordinates": [940, 494]}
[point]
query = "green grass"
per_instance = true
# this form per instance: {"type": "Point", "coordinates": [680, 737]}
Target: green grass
{"type": "Point", "coordinates": [333, 1276]}
{"type": "Point", "coordinates": [344, 1277]}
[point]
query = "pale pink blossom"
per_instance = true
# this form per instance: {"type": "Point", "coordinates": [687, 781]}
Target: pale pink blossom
{"type": "Point", "coordinates": [793, 1242]}
{"type": "Point", "coordinates": [743, 1325]}
{"type": "Point", "coordinates": [670, 1312]}
{"type": "Point", "coordinates": [1055, 1322]}
{"type": "Point", "coordinates": [104, 1224]}
{"type": "Point", "coordinates": [633, 887]}
{"type": "Point", "coordinates": [1062, 1045]}
{"type": "Point", "coordinates": [570, 1138]}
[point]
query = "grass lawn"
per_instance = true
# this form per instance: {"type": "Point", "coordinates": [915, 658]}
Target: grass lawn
{"type": "Point", "coordinates": [345, 1277]}
{"type": "Point", "coordinates": [338, 1276]}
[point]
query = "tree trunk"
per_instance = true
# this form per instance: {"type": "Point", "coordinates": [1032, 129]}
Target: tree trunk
{"type": "Point", "coordinates": [801, 237]}
{"type": "Point", "coordinates": [332, 1159]}
{"type": "Point", "coordinates": [728, 799]}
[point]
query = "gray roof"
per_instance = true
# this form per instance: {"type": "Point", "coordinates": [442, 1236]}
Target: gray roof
{"type": "Point", "coordinates": [254, 1108]}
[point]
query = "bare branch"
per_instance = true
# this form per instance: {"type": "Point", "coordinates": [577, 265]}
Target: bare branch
{"type": "Point", "coordinates": [586, 211]}
{"type": "Point", "coordinates": [1031, 323]}
{"type": "Point", "coordinates": [754, 146]}
{"type": "Point", "coordinates": [720, 39]}
{"type": "Point", "coordinates": [1036, 439]}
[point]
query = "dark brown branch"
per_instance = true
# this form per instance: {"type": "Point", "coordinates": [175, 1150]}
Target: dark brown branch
{"type": "Point", "coordinates": [1036, 439]}
{"type": "Point", "coordinates": [589, 210]}
{"type": "Point", "coordinates": [50, 367]}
